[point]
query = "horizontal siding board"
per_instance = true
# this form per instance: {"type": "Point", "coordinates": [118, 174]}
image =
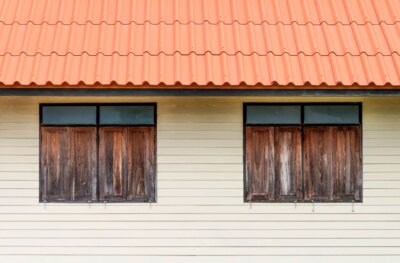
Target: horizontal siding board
{"type": "Point", "coordinates": [14, 151]}
{"type": "Point", "coordinates": [288, 209]}
{"type": "Point", "coordinates": [207, 226]}
{"type": "Point", "coordinates": [203, 200]}
{"type": "Point", "coordinates": [198, 134]}
{"type": "Point", "coordinates": [23, 134]}
{"type": "Point", "coordinates": [382, 151]}
{"type": "Point", "coordinates": [209, 159]}
{"type": "Point", "coordinates": [199, 209]}
{"type": "Point", "coordinates": [199, 151]}
{"type": "Point", "coordinates": [201, 143]}
{"type": "Point", "coordinates": [23, 142]}
{"type": "Point", "coordinates": [197, 127]}
{"type": "Point", "coordinates": [109, 216]}
{"type": "Point", "coordinates": [203, 167]}
{"type": "Point", "coordinates": [20, 159]}
{"type": "Point", "coordinates": [201, 233]}
{"type": "Point", "coordinates": [177, 242]}
{"type": "Point", "coordinates": [188, 251]}
{"type": "Point", "coordinates": [200, 259]}
{"type": "Point", "coordinates": [184, 192]}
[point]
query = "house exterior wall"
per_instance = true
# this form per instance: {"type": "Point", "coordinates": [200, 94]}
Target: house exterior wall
{"type": "Point", "coordinates": [200, 210]}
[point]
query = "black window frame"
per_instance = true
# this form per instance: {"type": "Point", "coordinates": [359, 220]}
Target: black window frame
{"type": "Point", "coordinates": [302, 125]}
{"type": "Point", "coordinates": [97, 126]}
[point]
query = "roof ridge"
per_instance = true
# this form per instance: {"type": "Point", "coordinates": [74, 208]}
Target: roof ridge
{"type": "Point", "coordinates": [322, 84]}
{"type": "Point", "coordinates": [200, 54]}
{"type": "Point", "coordinates": [74, 22]}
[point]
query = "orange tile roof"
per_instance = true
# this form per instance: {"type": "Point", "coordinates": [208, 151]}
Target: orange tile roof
{"type": "Point", "coordinates": [255, 42]}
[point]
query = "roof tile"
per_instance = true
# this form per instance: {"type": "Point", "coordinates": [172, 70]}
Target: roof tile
{"type": "Point", "coordinates": [267, 42]}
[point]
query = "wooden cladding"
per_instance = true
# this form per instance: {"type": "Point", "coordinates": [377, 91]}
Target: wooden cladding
{"type": "Point", "coordinates": [68, 164]}
{"type": "Point", "coordinates": [127, 161]}
{"type": "Point", "coordinates": [332, 163]}
{"type": "Point", "coordinates": [126, 164]}
{"type": "Point", "coordinates": [323, 166]}
{"type": "Point", "coordinates": [273, 163]}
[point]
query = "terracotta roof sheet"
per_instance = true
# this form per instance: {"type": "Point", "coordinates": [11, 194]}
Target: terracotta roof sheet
{"type": "Point", "coordinates": [267, 42]}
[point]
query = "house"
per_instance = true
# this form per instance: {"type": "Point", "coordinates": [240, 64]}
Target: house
{"type": "Point", "coordinates": [199, 131]}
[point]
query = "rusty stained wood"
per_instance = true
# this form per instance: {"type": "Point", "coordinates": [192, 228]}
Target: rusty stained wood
{"type": "Point", "coordinates": [273, 163]}
{"type": "Point", "coordinates": [332, 161]}
{"type": "Point", "coordinates": [68, 164]}
{"type": "Point", "coordinates": [112, 163]}
{"type": "Point", "coordinates": [127, 166]}
{"type": "Point", "coordinates": [288, 164]}
{"type": "Point", "coordinates": [347, 166]}
{"type": "Point", "coordinates": [141, 164]}
{"type": "Point", "coordinates": [55, 167]}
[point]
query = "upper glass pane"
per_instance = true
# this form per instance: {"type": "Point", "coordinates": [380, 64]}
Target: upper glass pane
{"type": "Point", "coordinates": [331, 114]}
{"type": "Point", "coordinates": [127, 114]}
{"type": "Point", "coordinates": [65, 115]}
{"type": "Point", "coordinates": [273, 114]}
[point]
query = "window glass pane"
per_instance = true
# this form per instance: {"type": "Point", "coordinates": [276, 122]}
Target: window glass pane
{"type": "Point", "coordinates": [331, 114]}
{"type": "Point", "coordinates": [273, 114]}
{"type": "Point", "coordinates": [69, 115]}
{"type": "Point", "coordinates": [127, 114]}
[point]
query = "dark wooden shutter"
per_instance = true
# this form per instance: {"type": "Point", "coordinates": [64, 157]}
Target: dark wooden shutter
{"type": "Point", "coordinates": [260, 163]}
{"type": "Point", "coordinates": [54, 164]}
{"type": "Point", "coordinates": [141, 164]}
{"type": "Point", "coordinates": [69, 164]}
{"type": "Point", "coordinates": [318, 143]}
{"type": "Point", "coordinates": [288, 166]}
{"type": "Point", "coordinates": [332, 163]}
{"type": "Point", "coordinates": [273, 163]}
{"type": "Point", "coordinates": [347, 184]}
{"type": "Point", "coordinates": [83, 159]}
{"type": "Point", "coordinates": [113, 163]}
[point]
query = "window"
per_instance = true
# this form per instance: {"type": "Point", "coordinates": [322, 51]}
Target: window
{"type": "Point", "coordinates": [97, 153]}
{"type": "Point", "coordinates": [303, 152]}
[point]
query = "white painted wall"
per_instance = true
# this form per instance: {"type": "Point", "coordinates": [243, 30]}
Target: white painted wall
{"type": "Point", "coordinates": [200, 211]}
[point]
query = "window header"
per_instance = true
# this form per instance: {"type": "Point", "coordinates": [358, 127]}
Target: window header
{"type": "Point", "coordinates": [98, 114]}
{"type": "Point", "coordinates": [304, 113]}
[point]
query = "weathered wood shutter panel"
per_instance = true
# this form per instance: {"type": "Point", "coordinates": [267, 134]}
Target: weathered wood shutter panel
{"type": "Point", "coordinates": [69, 164]}
{"type": "Point", "coordinates": [141, 164]}
{"type": "Point", "coordinates": [288, 166]}
{"type": "Point", "coordinates": [83, 158]}
{"type": "Point", "coordinates": [318, 183]}
{"type": "Point", "coordinates": [260, 164]}
{"type": "Point", "coordinates": [113, 163]}
{"type": "Point", "coordinates": [347, 184]}
{"type": "Point", "coordinates": [332, 163]}
{"type": "Point", "coordinates": [55, 166]}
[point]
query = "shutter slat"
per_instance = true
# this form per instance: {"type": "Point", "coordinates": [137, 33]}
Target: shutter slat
{"type": "Point", "coordinates": [260, 175]}
{"type": "Point", "coordinates": [318, 163]}
{"type": "Point", "coordinates": [54, 164]}
{"type": "Point", "coordinates": [113, 162]}
{"type": "Point", "coordinates": [288, 163]}
{"type": "Point", "coordinates": [347, 181]}
{"type": "Point", "coordinates": [141, 164]}
{"type": "Point", "coordinates": [83, 164]}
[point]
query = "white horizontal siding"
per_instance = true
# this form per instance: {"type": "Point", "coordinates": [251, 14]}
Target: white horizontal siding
{"type": "Point", "coordinates": [200, 211]}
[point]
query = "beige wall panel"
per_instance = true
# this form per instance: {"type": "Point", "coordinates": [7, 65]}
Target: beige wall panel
{"type": "Point", "coordinates": [200, 209]}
